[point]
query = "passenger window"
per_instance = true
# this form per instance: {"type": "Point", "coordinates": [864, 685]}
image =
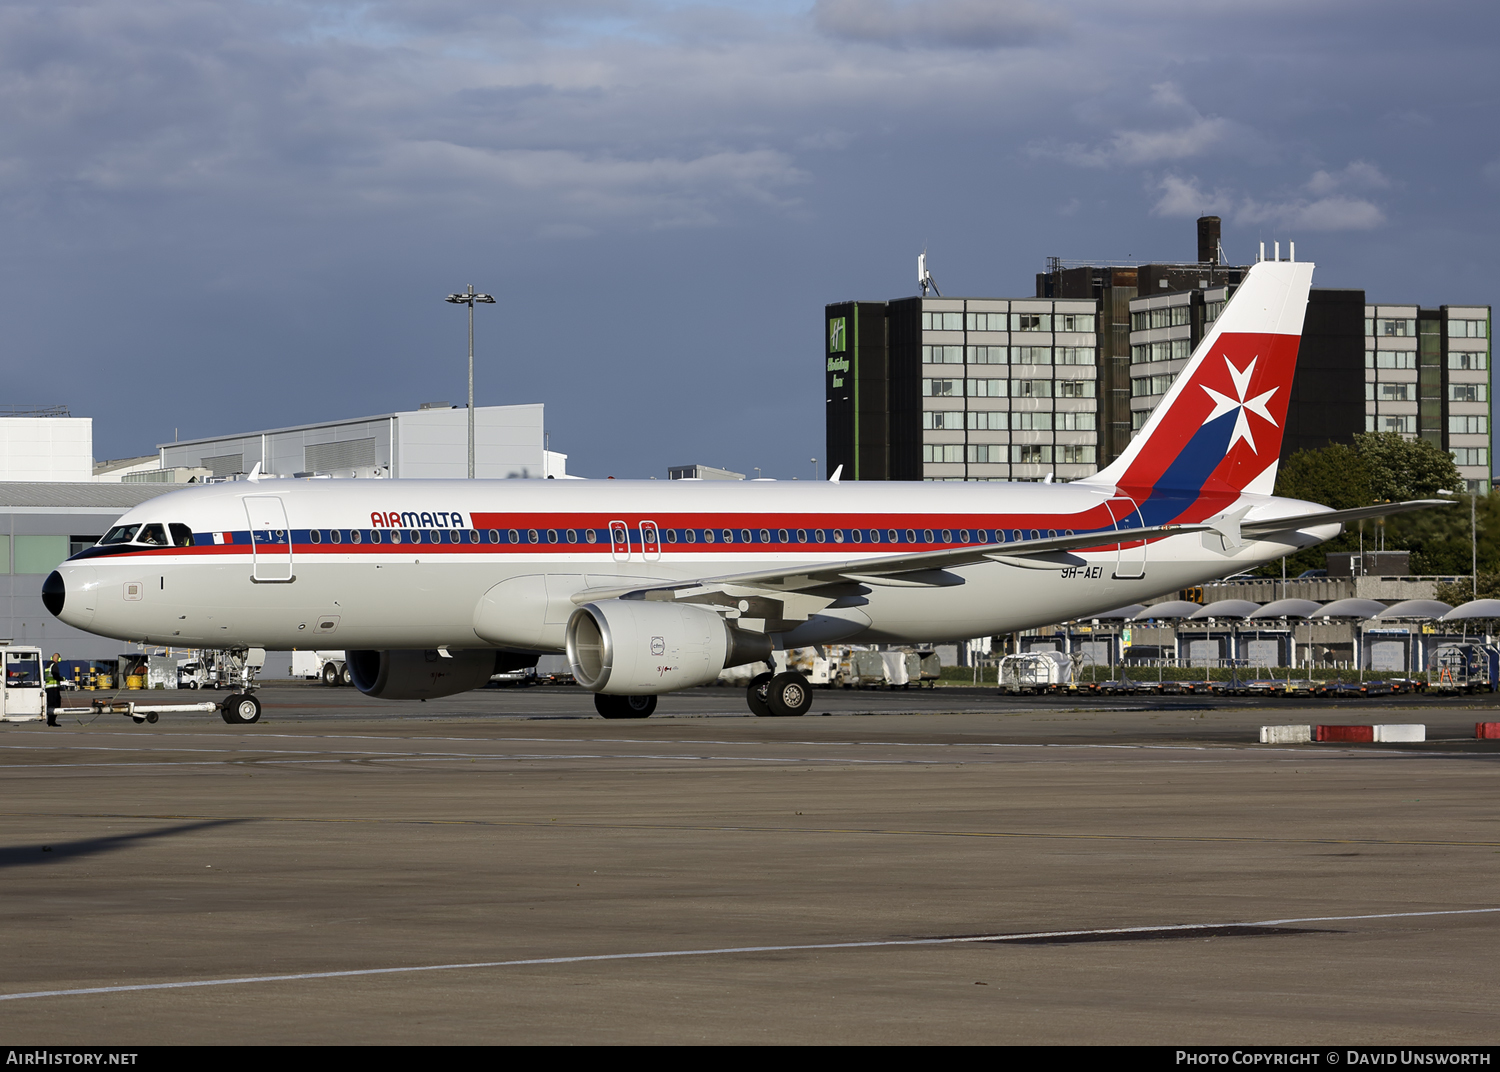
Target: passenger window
{"type": "Point", "coordinates": [182, 536]}
{"type": "Point", "coordinates": [153, 536]}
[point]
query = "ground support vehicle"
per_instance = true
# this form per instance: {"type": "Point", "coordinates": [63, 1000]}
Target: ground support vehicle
{"type": "Point", "coordinates": [931, 668]}
{"type": "Point", "coordinates": [1464, 668]}
{"type": "Point", "coordinates": [22, 699]}
{"type": "Point", "coordinates": [325, 666]}
{"type": "Point", "coordinates": [141, 671]}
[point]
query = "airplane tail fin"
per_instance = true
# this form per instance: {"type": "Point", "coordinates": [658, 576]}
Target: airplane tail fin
{"type": "Point", "coordinates": [1218, 429]}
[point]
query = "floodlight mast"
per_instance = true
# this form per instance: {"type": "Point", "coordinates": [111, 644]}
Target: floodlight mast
{"type": "Point", "coordinates": [469, 299]}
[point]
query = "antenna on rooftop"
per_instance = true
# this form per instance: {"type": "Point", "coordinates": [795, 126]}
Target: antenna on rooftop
{"type": "Point", "coordinates": [924, 277]}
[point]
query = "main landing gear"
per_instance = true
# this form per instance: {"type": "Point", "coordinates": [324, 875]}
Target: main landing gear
{"type": "Point", "coordinates": [624, 706]}
{"type": "Point", "coordinates": [779, 695]}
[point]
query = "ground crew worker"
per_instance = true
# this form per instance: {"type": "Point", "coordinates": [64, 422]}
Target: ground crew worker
{"type": "Point", "coordinates": [52, 677]}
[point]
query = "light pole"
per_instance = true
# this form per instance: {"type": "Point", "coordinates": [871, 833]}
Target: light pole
{"type": "Point", "coordinates": [1473, 540]}
{"type": "Point", "coordinates": [469, 299]}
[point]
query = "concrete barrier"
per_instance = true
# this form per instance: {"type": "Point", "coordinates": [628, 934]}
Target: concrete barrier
{"type": "Point", "coordinates": [1363, 734]}
{"type": "Point", "coordinates": [1487, 731]}
{"type": "Point", "coordinates": [1392, 732]}
{"type": "Point", "coordinates": [1285, 734]}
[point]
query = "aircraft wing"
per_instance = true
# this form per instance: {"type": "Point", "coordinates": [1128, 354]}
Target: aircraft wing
{"type": "Point", "coordinates": [921, 569]}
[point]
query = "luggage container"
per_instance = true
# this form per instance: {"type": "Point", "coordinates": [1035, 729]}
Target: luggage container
{"type": "Point", "coordinates": [1035, 671]}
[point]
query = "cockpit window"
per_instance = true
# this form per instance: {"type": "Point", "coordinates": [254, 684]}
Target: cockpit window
{"type": "Point", "coordinates": [153, 536]}
{"type": "Point", "coordinates": [120, 534]}
{"type": "Point", "coordinates": [182, 536]}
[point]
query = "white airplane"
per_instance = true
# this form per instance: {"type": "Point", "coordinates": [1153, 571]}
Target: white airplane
{"type": "Point", "coordinates": [653, 586]}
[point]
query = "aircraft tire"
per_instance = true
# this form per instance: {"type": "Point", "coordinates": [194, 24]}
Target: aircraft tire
{"type": "Point", "coordinates": [755, 695]}
{"type": "Point", "coordinates": [788, 696]}
{"type": "Point", "coordinates": [241, 709]}
{"type": "Point", "coordinates": [624, 706]}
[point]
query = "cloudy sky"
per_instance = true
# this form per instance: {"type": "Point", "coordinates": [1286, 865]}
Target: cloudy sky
{"type": "Point", "coordinates": [230, 215]}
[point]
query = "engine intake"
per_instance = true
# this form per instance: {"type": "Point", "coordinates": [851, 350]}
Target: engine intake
{"type": "Point", "coordinates": [421, 675]}
{"type": "Point", "coordinates": [636, 647]}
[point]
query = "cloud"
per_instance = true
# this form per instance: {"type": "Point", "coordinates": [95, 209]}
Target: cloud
{"type": "Point", "coordinates": [1192, 134]}
{"type": "Point", "coordinates": [1332, 212]}
{"type": "Point", "coordinates": [1337, 213]}
{"type": "Point", "coordinates": [1360, 174]}
{"type": "Point", "coordinates": [1182, 197]}
{"type": "Point", "coordinates": [979, 24]}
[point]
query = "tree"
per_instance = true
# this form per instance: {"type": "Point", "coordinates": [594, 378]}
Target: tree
{"type": "Point", "coordinates": [1335, 475]}
{"type": "Point", "coordinates": [1405, 468]}
{"type": "Point", "coordinates": [1384, 467]}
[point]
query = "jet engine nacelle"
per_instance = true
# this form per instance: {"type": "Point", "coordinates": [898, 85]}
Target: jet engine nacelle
{"type": "Point", "coordinates": [420, 675]}
{"type": "Point", "coordinates": [637, 647]}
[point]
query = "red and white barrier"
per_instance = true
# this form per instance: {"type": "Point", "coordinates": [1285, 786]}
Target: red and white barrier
{"type": "Point", "coordinates": [1389, 733]}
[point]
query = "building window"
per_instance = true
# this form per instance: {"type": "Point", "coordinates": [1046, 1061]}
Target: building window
{"type": "Point", "coordinates": [1461, 456]}
{"type": "Point", "coordinates": [1405, 423]}
{"type": "Point", "coordinates": [1075, 321]}
{"type": "Point", "coordinates": [986, 321]}
{"type": "Point", "coordinates": [1075, 355]}
{"type": "Point", "coordinates": [1212, 311]}
{"type": "Point", "coordinates": [1138, 419]}
{"type": "Point", "coordinates": [942, 321]}
{"type": "Point", "coordinates": [943, 355]}
{"type": "Point", "coordinates": [943, 420]}
{"type": "Point", "coordinates": [1467, 425]}
{"type": "Point", "coordinates": [1076, 455]}
{"type": "Point", "coordinates": [1394, 392]}
{"type": "Point", "coordinates": [1032, 355]}
{"type": "Point", "coordinates": [1075, 422]}
{"type": "Point", "coordinates": [1396, 328]}
{"type": "Point", "coordinates": [1478, 360]}
{"type": "Point", "coordinates": [1468, 392]}
{"type": "Point", "coordinates": [942, 388]}
{"type": "Point", "coordinates": [942, 452]}
{"type": "Point", "coordinates": [1468, 329]}
{"type": "Point", "coordinates": [988, 355]}
{"type": "Point", "coordinates": [1075, 388]}
{"type": "Point", "coordinates": [1032, 422]}
{"type": "Point", "coordinates": [1406, 359]}
{"type": "Point", "coordinates": [1151, 385]}
{"type": "Point", "coordinates": [985, 453]}
{"type": "Point", "coordinates": [1031, 454]}
{"type": "Point", "coordinates": [1030, 322]}
{"type": "Point", "coordinates": [997, 388]}
{"type": "Point", "coordinates": [988, 422]}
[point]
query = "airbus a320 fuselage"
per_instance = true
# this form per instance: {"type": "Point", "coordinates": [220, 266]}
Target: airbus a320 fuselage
{"type": "Point", "coordinates": [651, 586]}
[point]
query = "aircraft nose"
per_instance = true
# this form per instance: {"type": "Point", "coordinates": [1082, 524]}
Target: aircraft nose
{"type": "Point", "coordinates": [54, 594]}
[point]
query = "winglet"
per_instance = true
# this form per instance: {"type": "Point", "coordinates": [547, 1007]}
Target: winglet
{"type": "Point", "coordinates": [834, 479]}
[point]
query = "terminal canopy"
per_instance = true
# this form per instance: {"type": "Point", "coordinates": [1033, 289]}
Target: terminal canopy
{"type": "Point", "coordinates": [1169, 611]}
{"type": "Point", "coordinates": [1352, 608]}
{"type": "Point", "coordinates": [1119, 614]}
{"type": "Point", "coordinates": [1416, 608]}
{"type": "Point", "coordinates": [1225, 608]}
{"type": "Point", "coordinates": [1289, 608]}
{"type": "Point", "coordinates": [1475, 608]}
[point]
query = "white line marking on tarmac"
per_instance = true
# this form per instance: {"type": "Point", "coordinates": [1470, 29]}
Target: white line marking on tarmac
{"type": "Point", "coordinates": [726, 951]}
